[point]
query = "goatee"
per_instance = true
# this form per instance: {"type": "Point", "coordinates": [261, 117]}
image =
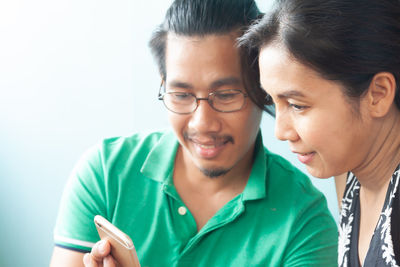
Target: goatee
{"type": "Point", "coordinates": [214, 173]}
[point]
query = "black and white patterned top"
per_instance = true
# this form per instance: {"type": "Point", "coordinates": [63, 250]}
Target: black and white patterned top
{"type": "Point", "coordinates": [384, 249]}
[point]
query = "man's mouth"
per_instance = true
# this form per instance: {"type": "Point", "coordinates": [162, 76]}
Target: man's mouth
{"type": "Point", "coordinates": [209, 141]}
{"type": "Point", "coordinates": [208, 146]}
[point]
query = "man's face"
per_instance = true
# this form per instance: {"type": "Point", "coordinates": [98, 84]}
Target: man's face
{"type": "Point", "coordinates": [211, 141]}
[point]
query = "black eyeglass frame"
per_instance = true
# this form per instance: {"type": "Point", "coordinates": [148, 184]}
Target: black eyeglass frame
{"type": "Point", "coordinates": [161, 97]}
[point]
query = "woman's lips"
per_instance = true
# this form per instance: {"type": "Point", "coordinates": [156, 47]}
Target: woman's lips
{"type": "Point", "coordinates": [306, 157]}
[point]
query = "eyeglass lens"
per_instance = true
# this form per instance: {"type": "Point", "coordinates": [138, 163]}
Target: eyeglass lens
{"type": "Point", "coordinates": [223, 101]}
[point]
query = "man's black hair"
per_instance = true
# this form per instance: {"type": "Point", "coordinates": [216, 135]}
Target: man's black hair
{"type": "Point", "coordinates": [206, 17]}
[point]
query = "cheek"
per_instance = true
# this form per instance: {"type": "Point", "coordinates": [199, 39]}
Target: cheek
{"type": "Point", "coordinates": [316, 132]}
{"type": "Point", "coordinates": [255, 117]}
{"type": "Point", "coordinates": [172, 120]}
{"type": "Point", "coordinates": [251, 120]}
{"type": "Point", "coordinates": [325, 135]}
{"type": "Point", "coordinates": [177, 123]}
{"type": "Point", "coordinates": [249, 125]}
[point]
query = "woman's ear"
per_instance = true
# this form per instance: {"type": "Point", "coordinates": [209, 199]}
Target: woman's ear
{"type": "Point", "coordinates": [381, 93]}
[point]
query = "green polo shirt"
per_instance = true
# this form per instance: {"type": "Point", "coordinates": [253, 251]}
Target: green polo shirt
{"type": "Point", "coordinates": [279, 219]}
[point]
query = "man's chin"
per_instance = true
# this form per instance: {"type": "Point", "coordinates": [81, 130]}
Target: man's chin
{"type": "Point", "coordinates": [214, 172]}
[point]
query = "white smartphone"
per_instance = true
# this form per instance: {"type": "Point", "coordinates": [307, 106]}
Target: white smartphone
{"type": "Point", "coordinates": [122, 248]}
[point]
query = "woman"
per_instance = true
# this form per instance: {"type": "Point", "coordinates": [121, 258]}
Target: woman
{"type": "Point", "coordinates": [332, 69]}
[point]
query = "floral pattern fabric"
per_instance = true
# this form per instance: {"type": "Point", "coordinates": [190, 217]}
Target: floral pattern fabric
{"type": "Point", "coordinates": [382, 241]}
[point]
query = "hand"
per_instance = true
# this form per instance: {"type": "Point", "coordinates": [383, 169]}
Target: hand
{"type": "Point", "coordinates": [100, 256]}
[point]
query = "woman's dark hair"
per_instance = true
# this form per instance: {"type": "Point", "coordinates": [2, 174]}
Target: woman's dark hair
{"type": "Point", "coordinates": [348, 41]}
{"type": "Point", "coordinates": [204, 17]}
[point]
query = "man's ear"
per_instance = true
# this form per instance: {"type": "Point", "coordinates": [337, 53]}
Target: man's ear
{"type": "Point", "coordinates": [381, 93]}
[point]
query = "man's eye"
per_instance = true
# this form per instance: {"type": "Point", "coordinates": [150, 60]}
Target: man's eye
{"type": "Point", "coordinates": [226, 96]}
{"type": "Point", "coordinates": [181, 96]}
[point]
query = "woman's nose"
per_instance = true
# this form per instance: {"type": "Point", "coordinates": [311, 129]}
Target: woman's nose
{"type": "Point", "coordinates": [284, 129]}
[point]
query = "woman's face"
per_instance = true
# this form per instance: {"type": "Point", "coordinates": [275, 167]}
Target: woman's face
{"type": "Point", "coordinates": [322, 127]}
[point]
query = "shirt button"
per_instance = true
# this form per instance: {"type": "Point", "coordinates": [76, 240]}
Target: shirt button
{"type": "Point", "coordinates": [182, 210]}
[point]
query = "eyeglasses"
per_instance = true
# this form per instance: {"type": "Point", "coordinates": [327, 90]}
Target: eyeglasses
{"type": "Point", "coordinates": [230, 100]}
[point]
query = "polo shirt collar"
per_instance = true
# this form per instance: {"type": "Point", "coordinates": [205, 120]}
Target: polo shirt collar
{"type": "Point", "coordinates": [159, 165]}
{"type": "Point", "coordinates": [256, 185]}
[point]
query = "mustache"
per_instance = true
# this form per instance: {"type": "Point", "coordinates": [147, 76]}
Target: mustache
{"type": "Point", "coordinates": [217, 139]}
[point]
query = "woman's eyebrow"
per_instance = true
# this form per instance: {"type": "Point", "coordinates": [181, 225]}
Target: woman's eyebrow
{"type": "Point", "coordinates": [290, 94]}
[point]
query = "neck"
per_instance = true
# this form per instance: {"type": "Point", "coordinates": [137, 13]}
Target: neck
{"type": "Point", "coordinates": [204, 196]}
{"type": "Point", "coordinates": [383, 157]}
{"type": "Point", "coordinates": [234, 181]}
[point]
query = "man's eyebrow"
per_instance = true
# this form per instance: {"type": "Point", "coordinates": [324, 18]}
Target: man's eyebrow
{"type": "Point", "coordinates": [291, 94]}
{"type": "Point", "coordinates": [182, 85]}
{"type": "Point", "coordinates": [215, 84]}
{"type": "Point", "coordinates": [226, 81]}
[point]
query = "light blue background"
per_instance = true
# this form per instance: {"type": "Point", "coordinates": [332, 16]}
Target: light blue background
{"type": "Point", "coordinates": [71, 73]}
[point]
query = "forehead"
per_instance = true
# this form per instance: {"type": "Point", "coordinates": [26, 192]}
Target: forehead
{"type": "Point", "coordinates": [197, 43]}
{"type": "Point", "coordinates": [283, 76]}
{"type": "Point", "coordinates": [278, 68]}
{"type": "Point", "coordinates": [202, 57]}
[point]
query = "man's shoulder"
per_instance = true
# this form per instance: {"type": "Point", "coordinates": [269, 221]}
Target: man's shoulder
{"type": "Point", "coordinates": [123, 149]}
{"type": "Point", "coordinates": [284, 177]}
{"type": "Point", "coordinates": [293, 191]}
{"type": "Point", "coordinates": [139, 143]}
{"type": "Point", "coordinates": [277, 164]}
{"type": "Point", "coordinates": [136, 139]}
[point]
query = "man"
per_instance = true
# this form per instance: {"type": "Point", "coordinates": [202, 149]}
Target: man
{"type": "Point", "coordinates": [207, 193]}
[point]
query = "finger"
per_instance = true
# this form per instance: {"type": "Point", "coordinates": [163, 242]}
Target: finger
{"type": "Point", "coordinates": [88, 261]}
{"type": "Point", "coordinates": [109, 261]}
{"type": "Point", "coordinates": [100, 250]}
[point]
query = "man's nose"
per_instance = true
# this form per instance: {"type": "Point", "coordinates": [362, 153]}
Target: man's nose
{"type": "Point", "coordinates": [205, 118]}
{"type": "Point", "coordinates": [284, 129]}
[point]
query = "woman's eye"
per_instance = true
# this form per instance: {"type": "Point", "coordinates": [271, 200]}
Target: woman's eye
{"type": "Point", "coordinates": [297, 107]}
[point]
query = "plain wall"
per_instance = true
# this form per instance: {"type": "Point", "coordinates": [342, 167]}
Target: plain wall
{"type": "Point", "coordinates": [71, 73]}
